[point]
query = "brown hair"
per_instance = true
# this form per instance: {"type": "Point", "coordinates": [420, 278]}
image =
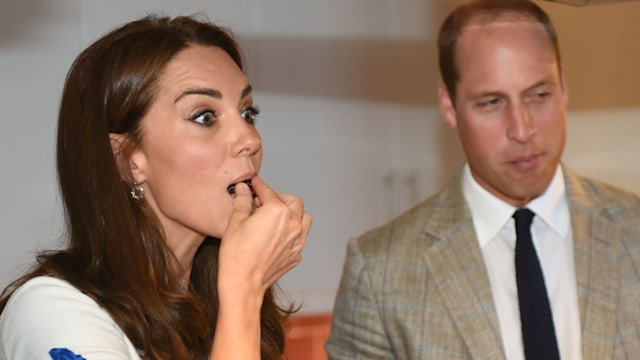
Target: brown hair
{"type": "Point", "coordinates": [486, 10]}
{"type": "Point", "coordinates": [116, 252]}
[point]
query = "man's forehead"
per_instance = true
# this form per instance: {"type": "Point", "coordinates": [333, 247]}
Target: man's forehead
{"type": "Point", "coordinates": [499, 19]}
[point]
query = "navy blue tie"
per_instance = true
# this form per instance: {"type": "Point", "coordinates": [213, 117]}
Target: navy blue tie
{"type": "Point", "coordinates": [538, 333]}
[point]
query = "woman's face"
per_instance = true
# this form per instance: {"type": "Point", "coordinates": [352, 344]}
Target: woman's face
{"type": "Point", "coordinates": [197, 139]}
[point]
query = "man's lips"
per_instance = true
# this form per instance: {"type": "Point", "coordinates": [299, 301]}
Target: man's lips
{"type": "Point", "coordinates": [525, 162]}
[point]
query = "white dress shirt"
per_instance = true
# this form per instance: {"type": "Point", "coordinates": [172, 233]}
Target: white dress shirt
{"type": "Point", "coordinates": [552, 238]}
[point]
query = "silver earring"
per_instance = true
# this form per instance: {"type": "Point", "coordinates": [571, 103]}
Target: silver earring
{"type": "Point", "coordinates": [137, 191]}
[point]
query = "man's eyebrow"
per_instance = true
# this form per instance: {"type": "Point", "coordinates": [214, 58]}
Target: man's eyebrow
{"type": "Point", "coordinates": [538, 84]}
{"type": "Point", "coordinates": [542, 82]}
{"type": "Point", "coordinates": [200, 91]}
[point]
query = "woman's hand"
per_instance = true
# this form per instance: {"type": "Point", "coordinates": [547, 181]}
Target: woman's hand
{"type": "Point", "coordinates": [261, 243]}
{"type": "Point", "coordinates": [263, 240]}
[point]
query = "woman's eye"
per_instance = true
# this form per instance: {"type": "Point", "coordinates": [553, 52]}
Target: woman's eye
{"type": "Point", "coordinates": [250, 114]}
{"type": "Point", "coordinates": [205, 118]}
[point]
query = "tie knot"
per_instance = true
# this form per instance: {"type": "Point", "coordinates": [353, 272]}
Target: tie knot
{"type": "Point", "coordinates": [523, 217]}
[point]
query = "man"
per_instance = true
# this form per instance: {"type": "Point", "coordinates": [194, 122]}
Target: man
{"type": "Point", "coordinates": [442, 280]}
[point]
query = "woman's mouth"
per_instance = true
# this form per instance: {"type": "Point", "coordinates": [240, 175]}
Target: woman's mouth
{"type": "Point", "coordinates": [231, 189]}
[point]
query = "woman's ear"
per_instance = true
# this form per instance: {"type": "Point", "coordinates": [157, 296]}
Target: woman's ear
{"type": "Point", "coordinates": [128, 159]}
{"type": "Point", "coordinates": [116, 141]}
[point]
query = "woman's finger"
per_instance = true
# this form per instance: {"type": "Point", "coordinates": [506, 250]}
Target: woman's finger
{"type": "Point", "coordinates": [242, 205]}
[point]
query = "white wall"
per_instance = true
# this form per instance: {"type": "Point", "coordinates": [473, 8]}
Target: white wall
{"type": "Point", "coordinates": [349, 122]}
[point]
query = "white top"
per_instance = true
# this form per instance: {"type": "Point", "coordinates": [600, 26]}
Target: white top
{"type": "Point", "coordinates": [552, 238]}
{"type": "Point", "coordinates": [48, 313]}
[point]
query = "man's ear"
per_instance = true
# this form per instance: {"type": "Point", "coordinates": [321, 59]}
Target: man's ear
{"type": "Point", "coordinates": [130, 161]}
{"type": "Point", "coordinates": [446, 105]}
{"type": "Point", "coordinates": [565, 89]}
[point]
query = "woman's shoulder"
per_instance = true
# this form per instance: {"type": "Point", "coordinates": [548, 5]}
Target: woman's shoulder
{"type": "Point", "coordinates": [44, 289]}
{"type": "Point", "coordinates": [47, 313]}
{"type": "Point", "coordinates": [49, 297]}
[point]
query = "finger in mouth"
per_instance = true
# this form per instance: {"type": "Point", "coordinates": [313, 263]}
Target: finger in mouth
{"type": "Point", "coordinates": [231, 189]}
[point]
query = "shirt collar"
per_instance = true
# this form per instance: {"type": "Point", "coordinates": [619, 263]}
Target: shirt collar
{"type": "Point", "coordinates": [490, 214]}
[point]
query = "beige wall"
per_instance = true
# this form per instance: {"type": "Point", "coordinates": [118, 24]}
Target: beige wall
{"type": "Point", "coordinates": [601, 56]}
{"type": "Point", "coordinates": [349, 117]}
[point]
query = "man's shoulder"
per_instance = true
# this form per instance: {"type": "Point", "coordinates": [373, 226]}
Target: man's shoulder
{"type": "Point", "coordinates": [421, 224]}
{"type": "Point", "coordinates": [598, 194]}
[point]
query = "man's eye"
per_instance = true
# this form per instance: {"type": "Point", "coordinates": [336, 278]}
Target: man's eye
{"type": "Point", "coordinates": [537, 97]}
{"type": "Point", "coordinates": [250, 114]}
{"type": "Point", "coordinates": [205, 118]}
{"type": "Point", "coordinates": [485, 103]}
{"type": "Point", "coordinates": [542, 94]}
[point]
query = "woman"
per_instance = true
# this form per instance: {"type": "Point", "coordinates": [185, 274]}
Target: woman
{"type": "Point", "coordinates": [174, 241]}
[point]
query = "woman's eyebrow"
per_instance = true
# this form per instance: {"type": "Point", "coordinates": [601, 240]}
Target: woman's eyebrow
{"type": "Point", "coordinates": [246, 91]}
{"type": "Point", "coordinates": [200, 91]}
{"type": "Point", "coordinates": [211, 93]}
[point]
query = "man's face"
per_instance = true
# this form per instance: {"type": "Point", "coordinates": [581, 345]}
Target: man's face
{"type": "Point", "coordinates": [509, 107]}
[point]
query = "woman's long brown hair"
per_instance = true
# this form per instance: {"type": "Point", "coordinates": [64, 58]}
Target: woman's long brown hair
{"type": "Point", "coordinates": [116, 253]}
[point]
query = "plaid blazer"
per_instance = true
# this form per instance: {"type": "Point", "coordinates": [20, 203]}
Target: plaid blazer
{"type": "Point", "coordinates": [417, 288]}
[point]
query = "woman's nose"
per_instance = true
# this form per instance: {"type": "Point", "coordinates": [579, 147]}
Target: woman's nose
{"type": "Point", "coordinates": [245, 139]}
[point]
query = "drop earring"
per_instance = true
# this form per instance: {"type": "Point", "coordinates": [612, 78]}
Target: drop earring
{"type": "Point", "coordinates": [137, 192]}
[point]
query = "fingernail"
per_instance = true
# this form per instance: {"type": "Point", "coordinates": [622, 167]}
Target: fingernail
{"type": "Point", "coordinates": [232, 188]}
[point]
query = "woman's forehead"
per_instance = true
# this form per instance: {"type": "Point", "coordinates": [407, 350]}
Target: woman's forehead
{"type": "Point", "coordinates": [201, 67]}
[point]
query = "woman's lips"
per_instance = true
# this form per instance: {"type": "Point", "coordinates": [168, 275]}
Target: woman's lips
{"type": "Point", "coordinates": [231, 189]}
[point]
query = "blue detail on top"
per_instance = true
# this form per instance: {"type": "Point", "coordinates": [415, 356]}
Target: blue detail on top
{"type": "Point", "coordinates": [64, 354]}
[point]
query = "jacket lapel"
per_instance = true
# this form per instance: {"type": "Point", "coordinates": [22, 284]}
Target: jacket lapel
{"type": "Point", "coordinates": [456, 263]}
{"type": "Point", "coordinates": [596, 251]}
